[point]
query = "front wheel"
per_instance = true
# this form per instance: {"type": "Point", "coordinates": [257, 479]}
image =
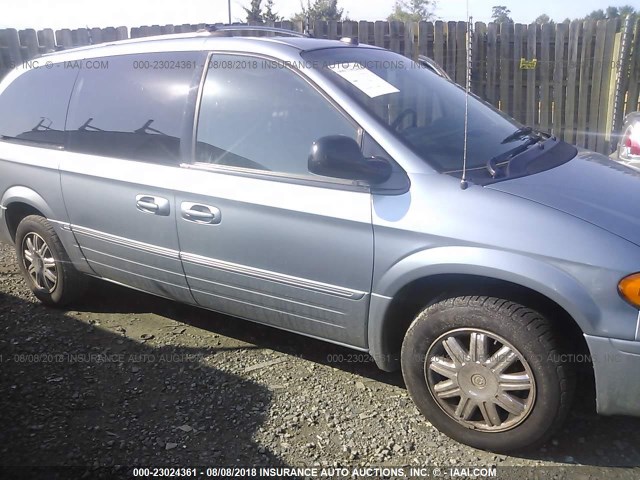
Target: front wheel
{"type": "Point", "coordinates": [487, 372]}
{"type": "Point", "coordinates": [45, 264]}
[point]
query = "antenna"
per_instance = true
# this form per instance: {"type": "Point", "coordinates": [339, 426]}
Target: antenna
{"type": "Point", "coordinates": [463, 182]}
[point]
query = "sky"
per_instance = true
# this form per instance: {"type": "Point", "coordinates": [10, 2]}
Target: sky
{"type": "Point", "coordinates": [57, 14]}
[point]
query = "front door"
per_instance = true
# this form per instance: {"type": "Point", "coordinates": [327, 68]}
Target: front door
{"type": "Point", "coordinates": [260, 237]}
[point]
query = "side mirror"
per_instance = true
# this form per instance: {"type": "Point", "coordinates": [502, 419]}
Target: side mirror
{"type": "Point", "coordinates": [339, 156]}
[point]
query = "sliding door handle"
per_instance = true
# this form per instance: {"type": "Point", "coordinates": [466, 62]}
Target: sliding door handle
{"type": "Point", "coordinates": [153, 205]}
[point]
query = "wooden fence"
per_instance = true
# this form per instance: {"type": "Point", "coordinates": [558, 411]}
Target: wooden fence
{"type": "Point", "coordinates": [575, 80]}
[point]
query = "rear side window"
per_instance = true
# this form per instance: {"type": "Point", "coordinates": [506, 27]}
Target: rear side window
{"type": "Point", "coordinates": [137, 108]}
{"type": "Point", "coordinates": [33, 107]}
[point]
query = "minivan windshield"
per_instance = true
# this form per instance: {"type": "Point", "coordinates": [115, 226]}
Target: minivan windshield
{"type": "Point", "coordinates": [423, 109]}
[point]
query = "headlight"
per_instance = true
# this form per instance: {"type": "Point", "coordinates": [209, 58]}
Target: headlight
{"type": "Point", "coordinates": [629, 288]}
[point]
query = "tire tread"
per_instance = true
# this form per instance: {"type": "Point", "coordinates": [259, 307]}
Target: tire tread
{"type": "Point", "coordinates": [539, 327]}
{"type": "Point", "coordinates": [73, 284]}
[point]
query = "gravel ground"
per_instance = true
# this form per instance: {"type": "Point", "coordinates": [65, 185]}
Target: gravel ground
{"type": "Point", "coordinates": [131, 379]}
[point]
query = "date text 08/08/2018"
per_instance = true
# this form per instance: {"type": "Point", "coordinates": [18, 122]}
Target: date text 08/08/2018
{"type": "Point", "coordinates": [327, 472]}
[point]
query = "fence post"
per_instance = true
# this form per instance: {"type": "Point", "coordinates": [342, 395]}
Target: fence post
{"type": "Point", "coordinates": [63, 38]}
{"type": "Point", "coordinates": [545, 77]}
{"type": "Point", "coordinates": [621, 83]}
{"type": "Point", "coordinates": [532, 94]}
{"type": "Point", "coordinates": [96, 35]}
{"type": "Point", "coordinates": [395, 35]}
{"type": "Point", "coordinates": [320, 29]}
{"type": "Point", "coordinates": [332, 32]}
{"type": "Point", "coordinates": [492, 63]}
{"type": "Point", "coordinates": [634, 71]}
{"type": "Point", "coordinates": [81, 37]}
{"type": "Point", "coordinates": [461, 53]}
{"type": "Point", "coordinates": [505, 69]}
{"type": "Point", "coordinates": [29, 41]}
{"type": "Point", "coordinates": [347, 29]}
{"type": "Point", "coordinates": [479, 59]}
{"type": "Point", "coordinates": [425, 39]}
{"type": "Point", "coordinates": [518, 108]}
{"type": "Point", "coordinates": [378, 33]}
{"type": "Point", "coordinates": [450, 54]}
{"type": "Point", "coordinates": [410, 46]}
{"type": "Point", "coordinates": [600, 85]}
{"type": "Point", "coordinates": [559, 94]}
{"type": "Point", "coordinates": [167, 29]}
{"type": "Point", "coordinates": [586, 56]}
{"type": "Point", "coordinates": [438, 43]}
{"type": "Point", "coordinates": [47, 40]}
{"type": "Point", "coordinates": [122, 33]}
{"type": "Point", "coordinates": [298, 26]}
{"type": "Point", "coordinates": [363, 32]}
{"type": "Point", "coordinates": [10, 40]}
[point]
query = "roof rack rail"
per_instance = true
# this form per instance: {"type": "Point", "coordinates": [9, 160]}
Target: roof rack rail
{"type": "Point", "coordinates": [255, 28]}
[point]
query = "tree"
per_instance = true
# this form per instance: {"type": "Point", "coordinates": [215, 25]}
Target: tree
{"type": "Point", "coordinates": [320, 10]}
{"type": "Point", "coordinates": [544, 18]}
{"type": "Point", "coordinates": [270, 15]}
{"type": "Point", "coordinates": [596, 15]}
{"type": "Point", "coordinates": [611, 12]}
{"type": "Point", "coordinates": [254, 13]}
{"type": "Point", "coordinates": [413, 10]}
{"type": "Point", "coordinates": [616, 12]}
{"type": "Point", "coordinates": [626, 10]}
{"type": "Point", "coordinates": [500, 14]}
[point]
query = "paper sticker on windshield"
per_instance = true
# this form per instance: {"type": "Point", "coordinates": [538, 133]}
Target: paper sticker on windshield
{"type": "Point", "coordinates": [364, 79]}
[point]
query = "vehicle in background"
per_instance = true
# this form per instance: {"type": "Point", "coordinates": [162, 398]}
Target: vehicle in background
{"type": "Point", "coordinates": [628, 151]}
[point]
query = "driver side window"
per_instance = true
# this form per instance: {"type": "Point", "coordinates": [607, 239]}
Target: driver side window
{"type": "Point", "coordinates": [258, 114]}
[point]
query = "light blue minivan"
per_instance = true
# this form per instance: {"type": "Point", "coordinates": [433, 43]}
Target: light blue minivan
{"type": "Point", "coordinates": [315, 186]}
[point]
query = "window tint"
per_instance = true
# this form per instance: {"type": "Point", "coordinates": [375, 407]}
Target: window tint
{"type": "Point", "coordinates": [134, 109]}
{"type": "Point", "coordinates": [34, 106]}
{"type": "Point", "coordinates": [257, 114]}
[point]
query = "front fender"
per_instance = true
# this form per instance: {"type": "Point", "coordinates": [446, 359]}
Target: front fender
{"type": "Point", "coordinates": [541, 276]}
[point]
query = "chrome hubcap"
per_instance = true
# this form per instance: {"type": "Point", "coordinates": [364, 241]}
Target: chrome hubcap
{"type": "Point", "coordinates": [39, 262]}
{"type": "Point", "coordinates": [480, 380]}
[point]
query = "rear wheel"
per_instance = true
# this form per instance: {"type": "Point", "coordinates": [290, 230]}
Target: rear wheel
{"type": "Point", "coordinates": [487, 372]}
{"type": "Point", "coordinates": [45, 264]}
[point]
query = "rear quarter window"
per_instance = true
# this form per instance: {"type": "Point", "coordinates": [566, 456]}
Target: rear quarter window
{"type": "Point", "coordinates": [33, 107]}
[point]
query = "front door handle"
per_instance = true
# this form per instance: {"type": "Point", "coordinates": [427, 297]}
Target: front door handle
{"type": "Point", "coordinates": [199, 213]}
{"type": "Point", "coordinates": [153, 205]}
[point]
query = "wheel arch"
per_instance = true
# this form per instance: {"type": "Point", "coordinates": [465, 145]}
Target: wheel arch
{"type": "Point", "coordinates": [422, 279]}
{"type": "Point", "coordinates": [19, 202]}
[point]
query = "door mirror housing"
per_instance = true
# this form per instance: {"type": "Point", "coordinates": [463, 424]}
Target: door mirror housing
{"type": "Point", "coordinates": [339, 156]}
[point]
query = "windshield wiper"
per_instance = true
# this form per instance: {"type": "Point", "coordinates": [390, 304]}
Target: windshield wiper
{"type": "Point", "coordinates": [518, 134]}
{"type": "Point", "coordinates": [492, 164]}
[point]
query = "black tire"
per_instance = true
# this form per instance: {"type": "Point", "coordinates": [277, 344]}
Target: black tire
{"type": "Point", "coordinates": [69, 284]}
{"type": "Point", "coordinates": [534, 340]}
